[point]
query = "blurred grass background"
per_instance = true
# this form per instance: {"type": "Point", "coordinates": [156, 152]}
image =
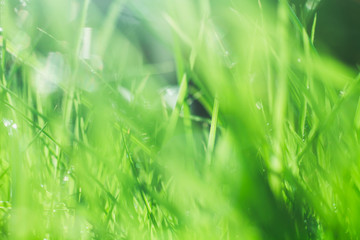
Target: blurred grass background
{"type": "Point", "coordinates": [179, 119]}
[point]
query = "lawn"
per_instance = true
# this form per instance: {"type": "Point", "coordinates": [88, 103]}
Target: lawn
{"type": "Point", "coordinates": [209, 119]}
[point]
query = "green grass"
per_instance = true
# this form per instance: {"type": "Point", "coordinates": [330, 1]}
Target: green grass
{"type": "Point", "coordinates": [278, 157]}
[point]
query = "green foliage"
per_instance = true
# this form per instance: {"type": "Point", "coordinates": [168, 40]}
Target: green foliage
{"type": "Point", "coordinates": [90, 147]}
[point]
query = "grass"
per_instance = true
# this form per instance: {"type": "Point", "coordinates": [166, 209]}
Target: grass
{"type": "Point", "coordinates": [91, 148]}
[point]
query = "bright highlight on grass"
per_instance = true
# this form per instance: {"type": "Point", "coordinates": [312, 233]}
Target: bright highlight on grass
{"type": "Point", "coordinates": [177, 120]}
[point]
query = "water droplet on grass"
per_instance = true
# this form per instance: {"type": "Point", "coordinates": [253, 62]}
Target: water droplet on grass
{"type": "Point", "coordinates": [126, 94]}
{"type": "Point", "coordinates": [7, 122]}
{"type": "Point", "coordinates": [10, 125]}
{"type": "Point", "coordinates": [170, 95]}
{"type": "Point", "coordinates": [259, 105]}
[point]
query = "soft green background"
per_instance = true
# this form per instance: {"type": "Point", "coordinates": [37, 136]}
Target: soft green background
{"type": "Point", "coordinates": [90, 149]}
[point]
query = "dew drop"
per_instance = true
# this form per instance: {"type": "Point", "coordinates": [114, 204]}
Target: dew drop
{"type": "Point", "coordinates": [259, 105]}
{"type": "Point", "coordinates": [7, 122]}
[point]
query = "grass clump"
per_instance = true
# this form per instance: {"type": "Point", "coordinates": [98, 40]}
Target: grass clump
{"type": "Point", "coordinates": [175, 120]}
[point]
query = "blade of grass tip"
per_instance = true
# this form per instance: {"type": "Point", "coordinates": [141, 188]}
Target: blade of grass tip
{"type": "Point", "coordinates": [212, 134]}
{"type": "Point", "coordinates": [203, 95]}
{"type": "Point", "coordinates": [177, 29]}
{"type": "Point", "coordinates": [309, 72]}
{"type": "Point", "coordinates": [295, 20]}
{"type": "Point", "coordinates": [180, 72]}
{"type": "Point", "coordinates": [200, 96]}
{"type": "Point", "coordinates": [179, 103]}
{"type": "Point", "coordinates": [312, 37]}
